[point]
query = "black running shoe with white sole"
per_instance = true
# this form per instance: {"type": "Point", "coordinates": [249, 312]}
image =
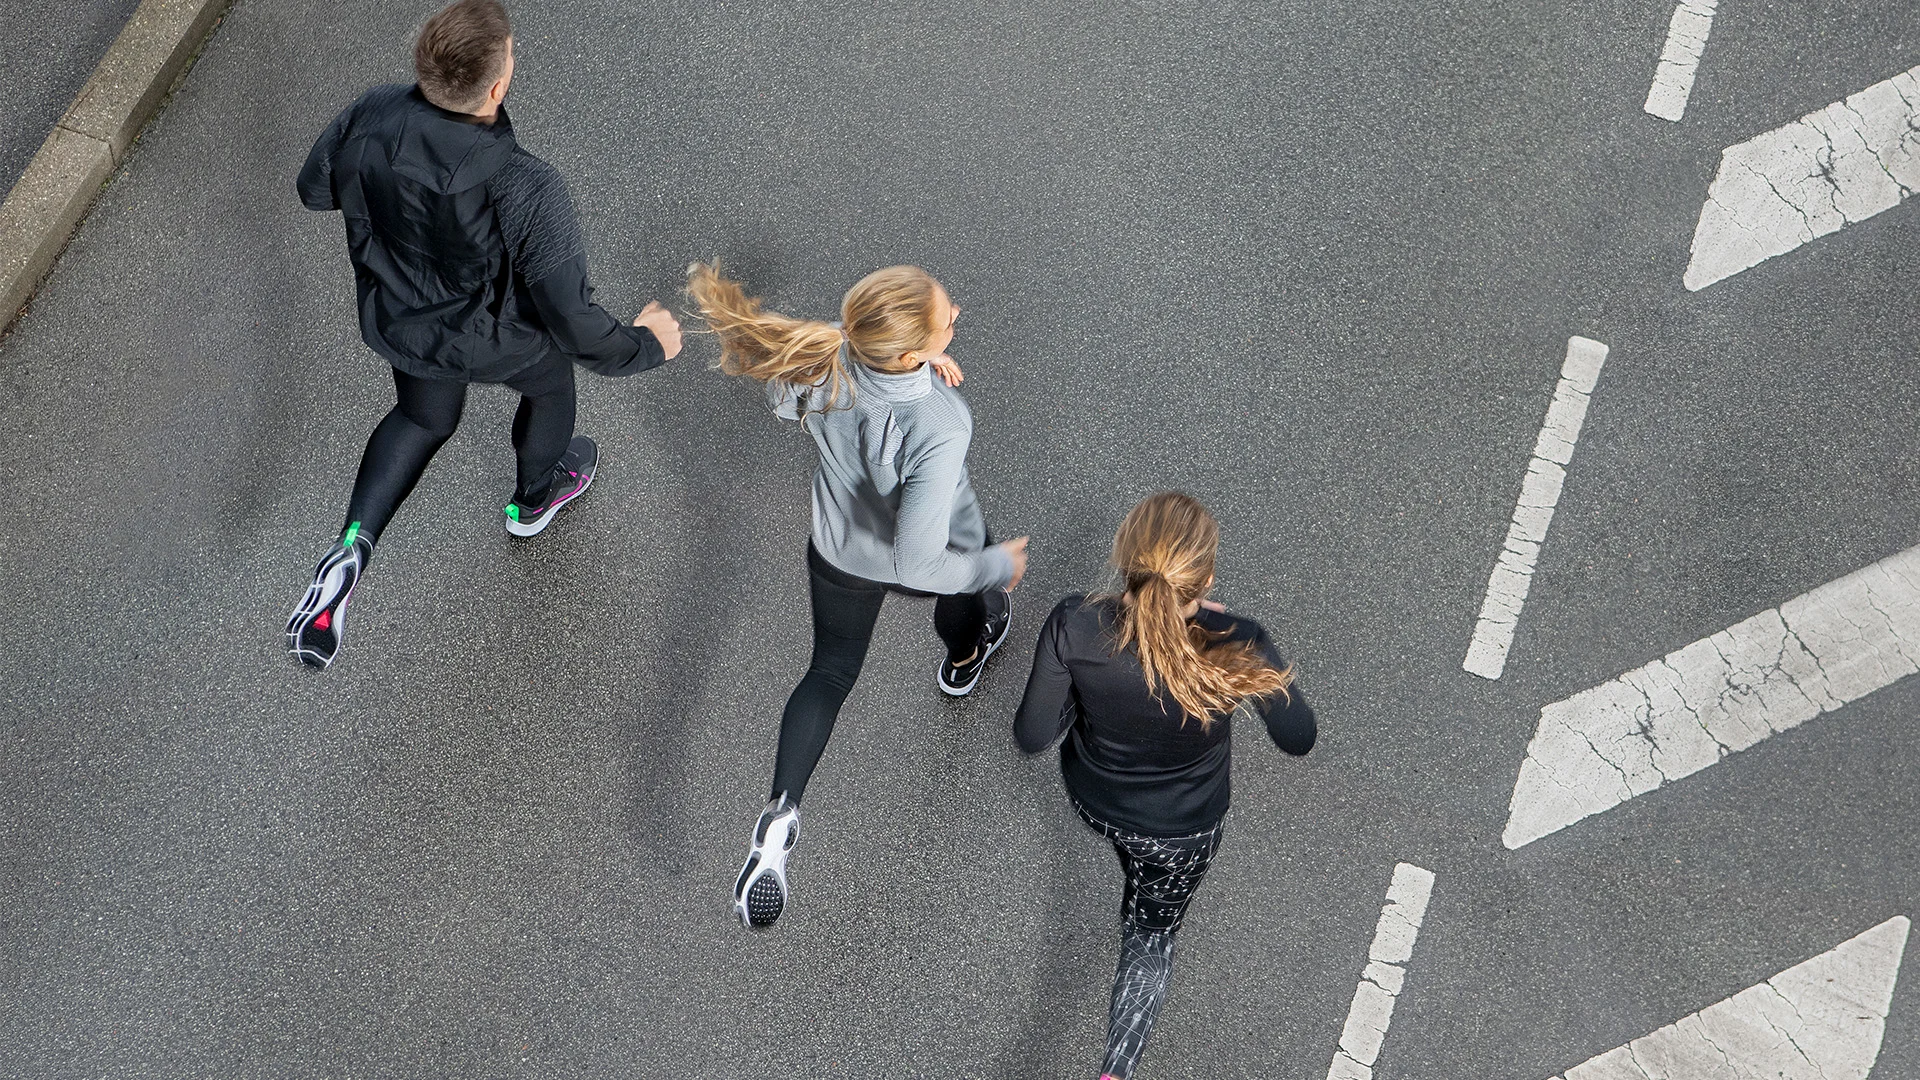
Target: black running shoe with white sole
{"type": "Point", "coordinates": [958, 680]}
{"type": "Point", "coordinates": [760, 893]}
{"type": "Point", "coordinates": [571, 478]}
{"type": "Point", "coordinates": [315, 630]}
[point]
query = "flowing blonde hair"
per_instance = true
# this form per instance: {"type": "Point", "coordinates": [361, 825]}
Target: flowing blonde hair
{"type": "Point", "coordinates": [885, 315]}
{"type": "Point", "coordinates": [1164, 552]}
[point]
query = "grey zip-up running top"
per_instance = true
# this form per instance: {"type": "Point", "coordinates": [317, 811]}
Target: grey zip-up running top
{"type": "Point", "coordinates": [891, 498]}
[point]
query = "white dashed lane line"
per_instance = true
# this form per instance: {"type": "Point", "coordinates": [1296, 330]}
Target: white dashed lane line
{"type": "Point", "coordinates": [1689, 710]}
{"type": "Point", "coordinates": [1385, 974]}
{"type": "Point", "coordinates": [1539, 494]}
{"type": "Point", "coordinates": [1686, 40]}
{"type": "Point", "coordinates": [1820, 1020]}
{"type": "Point", "coordinates": [1827, 170]}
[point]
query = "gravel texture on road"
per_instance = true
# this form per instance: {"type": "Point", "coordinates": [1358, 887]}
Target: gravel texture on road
{"type": "Point", "coordinates": [1315, 263]}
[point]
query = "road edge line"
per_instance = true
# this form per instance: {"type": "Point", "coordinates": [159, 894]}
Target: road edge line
{"type": "Point", "coordinates": [155, 49]}
{"type": "Point", "coordinates": [1553, 449]}
{"type": "Point", "coordinates": [1687, 34]}
{"type": "Point", "coordinates": [1385, 975]}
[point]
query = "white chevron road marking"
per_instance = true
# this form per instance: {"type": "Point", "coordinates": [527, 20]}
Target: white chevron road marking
{"type": "Point", "coordinates": [1819, 1020]}
{"type": "Point", "coordinates": [1827, 170]}
{"type": "Point", "coordinates": [1692, 708]}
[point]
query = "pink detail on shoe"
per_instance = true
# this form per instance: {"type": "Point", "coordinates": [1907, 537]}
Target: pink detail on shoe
{"type": "Point", "coordinates": [325, 620]}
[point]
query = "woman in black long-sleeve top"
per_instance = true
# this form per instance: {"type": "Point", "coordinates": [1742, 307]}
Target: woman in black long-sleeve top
{"type": "Point", "coordinates": [1144, 685]}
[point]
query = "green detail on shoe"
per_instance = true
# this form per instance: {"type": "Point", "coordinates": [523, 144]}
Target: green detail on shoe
{"type": "Point", "coordinates": [353, 533]}
{"type": "Point", "coordinates": [513, 511]}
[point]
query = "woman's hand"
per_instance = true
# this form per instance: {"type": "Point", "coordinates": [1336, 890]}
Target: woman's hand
{"type": "Point", "coordinates": [1214, 606]}
{"type": "Point", "coordinates": [948, 370]}
{"type": "Point", "coordinates": [1016, 550]}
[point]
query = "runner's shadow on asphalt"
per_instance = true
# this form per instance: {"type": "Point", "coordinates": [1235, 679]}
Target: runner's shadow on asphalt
{"type": "Point", "coordinates": [689, 612]}
{"type": "Point", "coordinates": [712, 510]}
{"type": "Point", "coordinates": [1055, 1026]}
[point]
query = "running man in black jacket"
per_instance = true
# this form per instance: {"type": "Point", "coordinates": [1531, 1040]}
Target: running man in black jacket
{"type": "Point", "coordinates": [470, 269]}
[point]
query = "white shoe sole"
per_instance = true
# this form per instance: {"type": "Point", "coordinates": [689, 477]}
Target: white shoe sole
{"type": "Point", "coordinates": [537, 525]}
{"type": "Point", "coordinates": [331, 591]}
{"type": "Point", "coordinates": [992, 647]}
{"type": "Point", "coordinates": [760, 892]}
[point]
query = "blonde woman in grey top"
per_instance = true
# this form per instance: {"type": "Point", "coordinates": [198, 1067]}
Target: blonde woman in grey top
{"type": "Point", "coordinates": [893, 509]}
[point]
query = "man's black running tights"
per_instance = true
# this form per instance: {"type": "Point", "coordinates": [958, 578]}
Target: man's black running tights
{"type": "Point", "coordinates": [425, 417]}
{"type": "Point", "coordinates": [845, 609]}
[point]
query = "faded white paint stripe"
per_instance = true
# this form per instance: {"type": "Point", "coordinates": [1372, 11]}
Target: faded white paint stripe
{"type": "Point", "coordinates": [1380, 983]}
{"type": "Point", "coordinates": [1680, 60]}
{"type": "Point", "coordinates": [1827, 170]}
{"type": "Point", "coordinates": [1539, 494]}
{"type": "Point", "coordinates": [1820, 1020]}
{"type": "Point", "coordinates": [1688, 710]}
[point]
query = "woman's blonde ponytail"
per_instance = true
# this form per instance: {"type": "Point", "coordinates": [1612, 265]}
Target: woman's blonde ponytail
{"type": "Point", "coordinates": [887, 314]}
{"type": "Point", "coordinates": [766, 345]}
{"type": "Point", "coordinates": [1165, 552]}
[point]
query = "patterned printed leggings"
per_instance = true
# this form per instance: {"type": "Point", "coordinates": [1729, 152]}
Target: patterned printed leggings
{"type": "Point", "coordinates": [1162, 876]}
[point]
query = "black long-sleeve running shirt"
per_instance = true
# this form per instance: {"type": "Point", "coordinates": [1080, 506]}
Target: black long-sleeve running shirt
{"type": "Point", "coordinates": [1127, 758]}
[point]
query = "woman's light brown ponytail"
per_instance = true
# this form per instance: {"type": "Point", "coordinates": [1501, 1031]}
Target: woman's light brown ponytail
{"type": "Point", "coordinates": [765, 345]}
{"type": "Point", "coordinates": [1164, 552]}
{"type": "Point", "coordinates": [886, 314]}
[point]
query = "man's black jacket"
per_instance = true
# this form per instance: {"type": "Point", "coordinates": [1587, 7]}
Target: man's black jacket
{"type": "Point", "coordinates": [465, 247]}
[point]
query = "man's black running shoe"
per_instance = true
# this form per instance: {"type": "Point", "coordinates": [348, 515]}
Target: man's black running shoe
{"type": "Point", "coordinates": [570, 481]}
{"type": "Point", "coordinates": [958, 680]}
{"type": "Point", "coordinates": [315, 630]}
{"type": "Point", "coordinates": [760, 892]}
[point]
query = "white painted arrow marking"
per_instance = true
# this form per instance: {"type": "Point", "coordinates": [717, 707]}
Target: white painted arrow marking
{"type": "Point", "coordinates": [1539, 494]}
{"type": "Point", "coordinates": [1820, 1020]}
{"type": "Point", "coordinates": [1680, 60]}
{"type": "Point", "coordinates": [1827, 170]}
{"type": "Point", "coordinates": [1682, 713]}
{"type": "Point", "coordinates": [1380, 983]}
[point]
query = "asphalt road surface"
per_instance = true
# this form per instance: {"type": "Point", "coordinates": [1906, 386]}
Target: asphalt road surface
{"type": "Point", "coordinates": [47, 53]}
{"type": "Point", "coordinates": [1316, 263]}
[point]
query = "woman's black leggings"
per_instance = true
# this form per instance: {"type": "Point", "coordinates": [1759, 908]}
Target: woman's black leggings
{"type": "Point", "coordinates": [845, 608]}
{"type": "Point", "coordinates": [1162, 875]}
{"type": "Point", "coordinates": [424, 419]}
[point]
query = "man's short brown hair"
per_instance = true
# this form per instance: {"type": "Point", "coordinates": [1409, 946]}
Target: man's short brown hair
{"type": "Point", "coordinates": [461, 53]}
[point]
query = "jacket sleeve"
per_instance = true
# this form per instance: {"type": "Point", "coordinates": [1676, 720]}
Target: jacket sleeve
{"type": "Point", "coordinates": [315, 183]}
{"type": "Point", "coordinates": [1290, 720]}
{"type": "Point", "coordinates": [921, 558]}
{"type": "Point", "coordinates": [1048, 707]}
{"type": "Point", "coordinates": [542, 233]}
{"type": "Point", "coordinates": [593, 338]}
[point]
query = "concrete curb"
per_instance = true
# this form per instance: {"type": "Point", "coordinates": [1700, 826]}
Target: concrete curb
{"type": "Point", "coordinates": [92, 139]}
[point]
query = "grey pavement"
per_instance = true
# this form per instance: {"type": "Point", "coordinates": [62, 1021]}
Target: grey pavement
{"type": "Point", "coordinates": [47, 53]}
{"type": "Point", "coordinates": [1316, 263]}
